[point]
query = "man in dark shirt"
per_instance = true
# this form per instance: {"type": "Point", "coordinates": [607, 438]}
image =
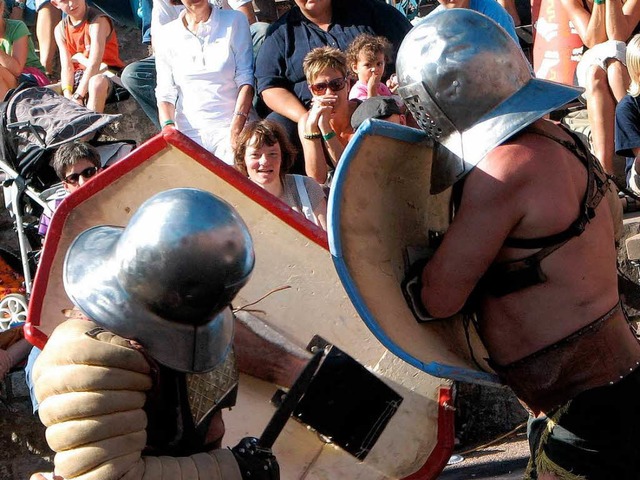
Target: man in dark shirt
{"type": "Point", "coordinates": [280, 79]}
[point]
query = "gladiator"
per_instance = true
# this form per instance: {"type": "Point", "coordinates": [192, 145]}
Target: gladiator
{"type": "Point", "coordinates": [531, 248]}
{"type": "Point", "coordinates": [133, 385]}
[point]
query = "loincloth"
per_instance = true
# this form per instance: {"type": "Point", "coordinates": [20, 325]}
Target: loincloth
{"type": "Point", "coordinates": [600, 353]}
{"type": "Point", "coordinates": [594, 436]}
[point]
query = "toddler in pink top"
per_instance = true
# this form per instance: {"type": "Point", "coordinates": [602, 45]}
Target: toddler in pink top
{"type": "Point", "coordinates": [366, 57]}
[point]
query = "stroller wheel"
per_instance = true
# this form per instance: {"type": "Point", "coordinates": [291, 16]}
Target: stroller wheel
{"type": "Point", "coordinates": [13, 311]}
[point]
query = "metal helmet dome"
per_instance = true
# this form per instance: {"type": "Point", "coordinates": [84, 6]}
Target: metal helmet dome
{"type": "Point", "coordinates": [470, 87]}
{"type": "Point", "coordinates": [167, 278]}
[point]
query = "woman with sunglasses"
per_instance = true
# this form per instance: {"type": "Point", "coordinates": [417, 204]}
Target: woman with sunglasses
{"type": "Point", "coordinates": [326, 128]}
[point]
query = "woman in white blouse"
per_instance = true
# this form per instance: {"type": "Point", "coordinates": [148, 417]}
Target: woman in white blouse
{"type": "Point", "coordinates": [204, 64]}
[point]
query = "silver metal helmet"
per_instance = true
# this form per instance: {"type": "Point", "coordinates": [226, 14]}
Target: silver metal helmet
{"type": "Point", "coordinates": [166, 280]}
{"type": "Point", "coordinates": [470, 87]}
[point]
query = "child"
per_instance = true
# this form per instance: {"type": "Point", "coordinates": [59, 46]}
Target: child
{"type": "Point", "coordinates": [89, 58]}
{"type": "Point", "coordinates": [367, 56]}
{"type": "Point", "coordinates": [627, 127]}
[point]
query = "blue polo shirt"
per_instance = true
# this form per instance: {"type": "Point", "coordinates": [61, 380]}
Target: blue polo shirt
{"type": "Point", "coordinates": [292, 36]}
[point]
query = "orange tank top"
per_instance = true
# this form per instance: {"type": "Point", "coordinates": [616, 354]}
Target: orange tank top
{"type": "Point", "coordinates": [76, 38]}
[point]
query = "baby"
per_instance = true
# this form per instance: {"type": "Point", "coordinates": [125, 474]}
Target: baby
{"type": "Point", "coordinates": [367, 56]}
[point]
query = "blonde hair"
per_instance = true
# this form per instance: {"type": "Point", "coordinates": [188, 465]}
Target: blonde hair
{"type": "Point", "coordinates": [370, 45]}
{"type": "Point", "coordinates": [633, 65]}
{"type": "Point", "coordinates": [323, 58]}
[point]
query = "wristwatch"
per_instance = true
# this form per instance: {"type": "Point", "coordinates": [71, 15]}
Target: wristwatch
{"type": "Point", "coordinates": [77, 96]}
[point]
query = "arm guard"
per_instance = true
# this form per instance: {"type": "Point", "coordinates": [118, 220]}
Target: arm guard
{"type": "Point", "coordinates": [91, 385]}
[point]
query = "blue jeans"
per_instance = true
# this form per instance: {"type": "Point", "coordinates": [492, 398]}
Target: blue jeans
{"type": "Point", "coordinates": [28, 370]}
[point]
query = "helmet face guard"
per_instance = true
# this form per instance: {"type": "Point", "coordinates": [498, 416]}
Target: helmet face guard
{"type": "Point", "coordinates": [166, 280]}
{"type": "Point", "coordinates": [470, 87]}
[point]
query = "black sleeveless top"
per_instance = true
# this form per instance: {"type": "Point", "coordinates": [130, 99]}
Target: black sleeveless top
{"type": "Point", "coordinates": [503, 278]}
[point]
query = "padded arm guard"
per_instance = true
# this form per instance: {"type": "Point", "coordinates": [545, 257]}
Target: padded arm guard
{"type": "Point", "coordinates": [91, 385]}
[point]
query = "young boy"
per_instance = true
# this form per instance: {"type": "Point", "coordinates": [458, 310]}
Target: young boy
{"type": "Point", "coordinates": [74, 164]}
{"type": "Point", "coordinates": [89, 57]}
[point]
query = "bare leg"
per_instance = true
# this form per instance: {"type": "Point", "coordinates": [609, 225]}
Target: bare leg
{"type": "Point", "coordinates": [98, 90]}
{"type": "Point", "coordinates": [619, 80]}
{"type": "Point", "coordinates": [601, 106]}
{"type": "Point", "coordinates": [13, 355]}
{"type": "Point", "coordinates": [48, 17]}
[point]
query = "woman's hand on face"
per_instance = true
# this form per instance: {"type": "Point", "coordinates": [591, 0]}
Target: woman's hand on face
{"type": "Point", "coordinates": [320, 106]}
{"type": "Point", "coordinates": [321, 111]}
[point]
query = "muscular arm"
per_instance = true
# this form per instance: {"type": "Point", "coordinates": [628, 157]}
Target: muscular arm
{"type": "Point", "coordinates": [489, 210]}
{"type": "Point", "coordinates": [591, 26]}
{"type": "Point", "coordinates": [265, 353]}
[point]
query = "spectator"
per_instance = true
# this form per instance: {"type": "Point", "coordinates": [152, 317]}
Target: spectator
{"type": "Point", "coordinates": [140, 77]}
{"type": "Point", "coordinates": [367, 56]}
{"type": "Point", "coordinates": [325, 129]}
{"type": "Point", "coordinates": [89, 56]}
{"type": "Point", "coordinates": [604, 29]}
{"type": "Point", "coordinates": [627, 130]}
{"type": "Point", "coordinates": [280, 78]}
{"type": "Point", "coordinates": [265, 155]}
{"type": "Point", "coordinates": [74, 163]}
{"type": "Point", "coordinates": [18, 59]}
{"type": "Point", "coordinates": [205, 76]}
{"type": "Point", "coordinates": [382, 108]}
{"type": "Point", "coordinates": [491, 8]}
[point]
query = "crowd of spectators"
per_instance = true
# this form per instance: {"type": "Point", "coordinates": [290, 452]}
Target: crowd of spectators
{"type": "Point", "coordinates": [214, 69]}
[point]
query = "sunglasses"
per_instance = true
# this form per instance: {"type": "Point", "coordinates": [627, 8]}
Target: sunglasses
{"type": "Point", "coordinates": [75, 177]}
{"type": "Point", "coordinates": [334, 85]}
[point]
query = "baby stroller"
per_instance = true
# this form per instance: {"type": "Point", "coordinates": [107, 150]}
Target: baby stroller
{"type": "Point", "coordinates": [34, 122]}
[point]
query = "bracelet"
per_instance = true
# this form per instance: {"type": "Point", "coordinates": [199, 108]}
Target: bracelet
{"type": "Point", "coordinates": [21, 5]}
{"type": "Point", "coordinates": [168, 122]}
{"type": "Point", "coordinates": [67, 88]}
{"type": "Point", "coordinates": [312, 136]}
{"type": "Point", "coordinates": [598, 2]}
{"type": "Point", "coordinates": [241, 114]}
{"type": "Point", "coordinates": [328, 136]}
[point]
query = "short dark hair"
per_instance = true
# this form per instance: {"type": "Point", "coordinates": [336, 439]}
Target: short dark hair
{"type": "Point", "coordinates": [266, 132]}
{"type": "Point", "coordinates": [71, 153]}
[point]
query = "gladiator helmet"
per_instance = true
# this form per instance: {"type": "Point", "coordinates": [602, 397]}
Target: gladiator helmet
{"type": "Point", "coordinates": [470, 87]}
{"type": "Point", "coordinates": [167, 278]}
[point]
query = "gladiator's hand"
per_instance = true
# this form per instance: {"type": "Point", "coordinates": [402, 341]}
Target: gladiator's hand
{"type": "Point", "coordinates": [412, 288]}
{"type": "Point", "coordinates": [255, 463]}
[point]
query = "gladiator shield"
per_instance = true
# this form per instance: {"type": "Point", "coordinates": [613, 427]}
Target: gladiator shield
{"type": "Point", "coordinates": [382, 218]}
